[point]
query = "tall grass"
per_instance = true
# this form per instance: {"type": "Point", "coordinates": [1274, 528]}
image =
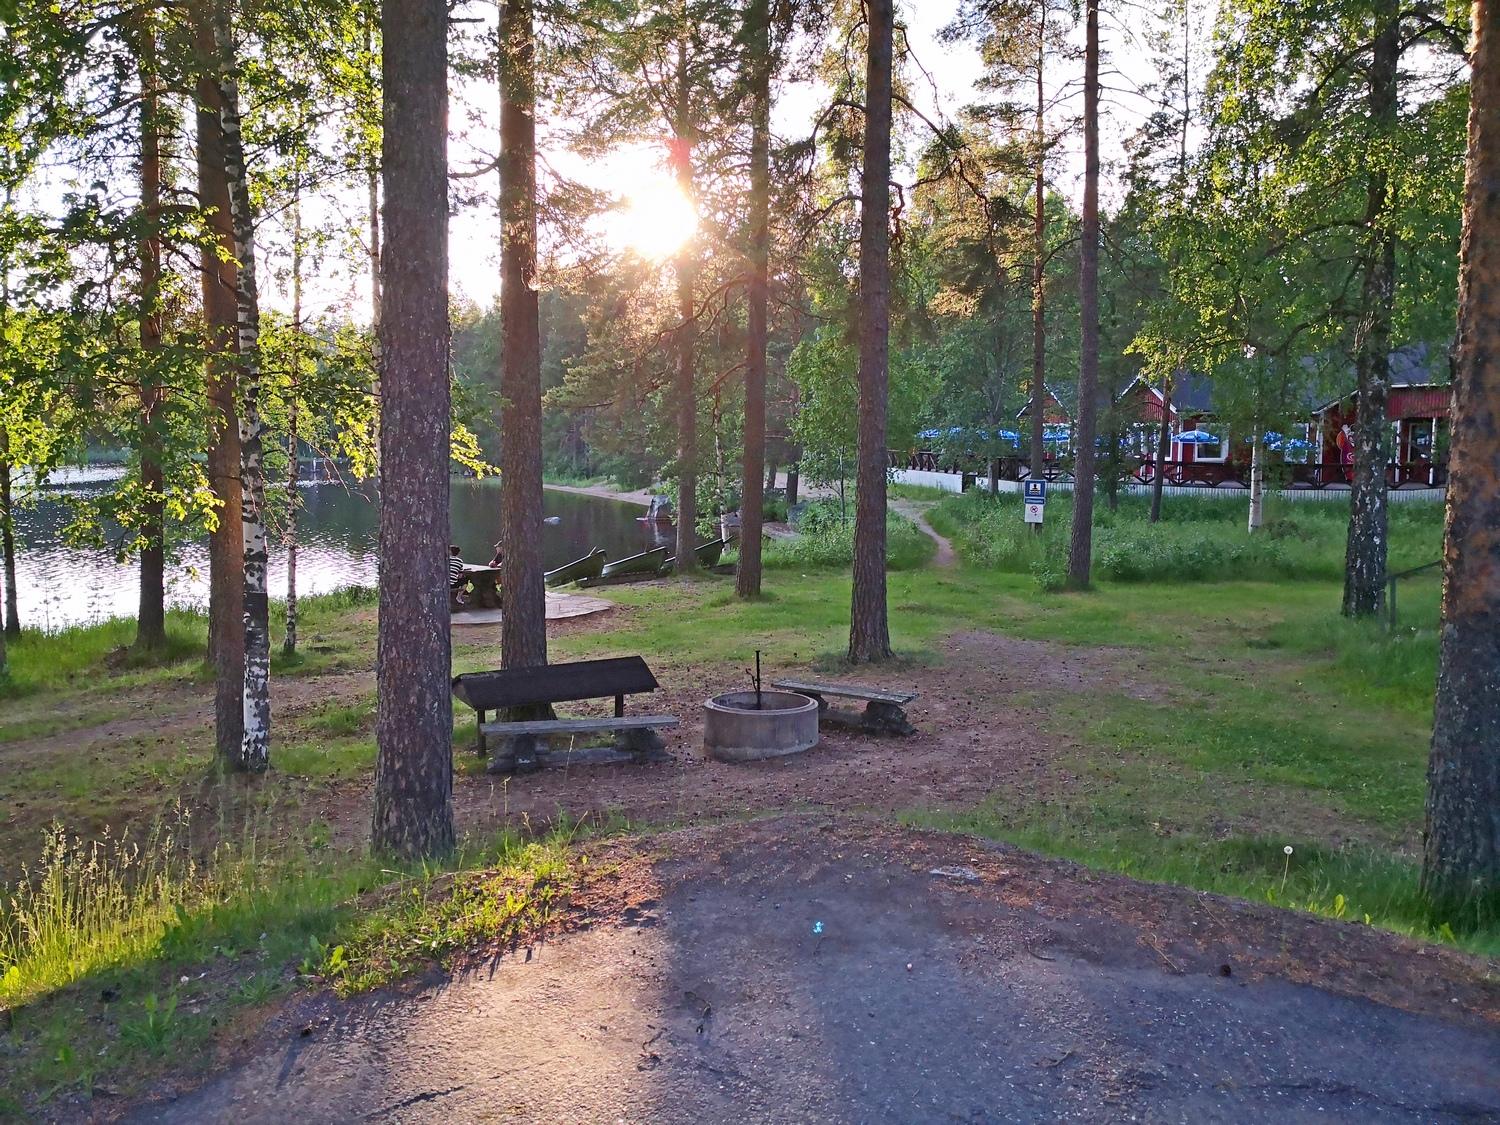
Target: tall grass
{"type": "Point", "coordinates": [88, 906]}
{"type": "Point", "coordinates": [1201, 540]}
{"type": "Point", "coordinates": [825, 538]}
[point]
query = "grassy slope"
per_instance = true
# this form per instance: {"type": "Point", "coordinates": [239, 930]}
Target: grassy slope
{"type": "Point", "coordinates": [1310, 728]}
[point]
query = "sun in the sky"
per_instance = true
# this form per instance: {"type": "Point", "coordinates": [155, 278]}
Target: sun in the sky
{"type": "Point", "coordinates": [657, 219]}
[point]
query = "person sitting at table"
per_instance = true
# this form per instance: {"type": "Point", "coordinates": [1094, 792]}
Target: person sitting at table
{"type": "Point", "coordinates": [456, 577]}
{"type": "Point", "coordinates": [498, 559]}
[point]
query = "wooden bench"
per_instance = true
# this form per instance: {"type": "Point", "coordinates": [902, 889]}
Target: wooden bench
{"type": "Point", "coordinates": [525, 743]}
{"type": "Point", "coordinates": [884, 713]}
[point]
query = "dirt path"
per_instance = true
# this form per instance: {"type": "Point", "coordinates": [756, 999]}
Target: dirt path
{"type": "Point", "coordinates": [944, 557]}
{"type": "Point", "coordinates": [812, 969]}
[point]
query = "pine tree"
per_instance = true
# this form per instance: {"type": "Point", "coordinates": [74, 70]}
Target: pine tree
{"type": "Point", "coordinates": [523, 599]}
{"type": "Point", "coordinates": [1461, 861]}
{"type": "Point", "coordinates": [413, 814]}
{"type": "Point", "coordinates": [1081, 543]}
{"type": "Point", "coordinates": [759, 64]}
{"type": "Point", "coordinates": [869, 627]}
{"type": "Point", "coordinates": [255, 742]}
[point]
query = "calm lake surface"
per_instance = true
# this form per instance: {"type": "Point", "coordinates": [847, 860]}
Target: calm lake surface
{"type": "Point", "coordinates": [62, 585]}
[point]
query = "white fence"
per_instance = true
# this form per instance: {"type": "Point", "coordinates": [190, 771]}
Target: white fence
{"type": "Point", "coordinates": [953, 482]}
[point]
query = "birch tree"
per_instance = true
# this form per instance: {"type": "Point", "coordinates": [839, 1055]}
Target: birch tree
{"type": "Point", "coordinates": [255, 743]}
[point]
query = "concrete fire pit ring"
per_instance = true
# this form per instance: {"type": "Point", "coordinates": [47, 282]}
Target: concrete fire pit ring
{"type": "Point", "coordinates": [735, 731]}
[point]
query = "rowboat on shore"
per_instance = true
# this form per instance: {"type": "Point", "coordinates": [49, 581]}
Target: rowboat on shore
{"type": "Point", "coordinates": [587, 567]}
{"type": "Point", "coordinates": [706, 553]}
{"type": "Point", "coordinates": [645, 562]}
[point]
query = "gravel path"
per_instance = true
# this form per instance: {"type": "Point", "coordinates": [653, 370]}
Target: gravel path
{"type": "Point", "coordinates": [806, 971]}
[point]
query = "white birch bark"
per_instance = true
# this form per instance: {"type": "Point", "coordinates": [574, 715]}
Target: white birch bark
{"type": "Point", "coordinates": [1257, 484]}
{"type": "Point", "coordinates": [255, 745]}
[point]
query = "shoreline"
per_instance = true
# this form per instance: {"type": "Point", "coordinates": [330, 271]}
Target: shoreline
{"type": "Point", "coordinates": [639, 496]}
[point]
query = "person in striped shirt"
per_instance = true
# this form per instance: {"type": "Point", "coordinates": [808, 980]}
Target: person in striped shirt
{"type": "Point", "coordinates": [456, 579]}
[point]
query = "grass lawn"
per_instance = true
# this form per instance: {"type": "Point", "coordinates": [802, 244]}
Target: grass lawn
{"type": "Point", "coordinates": [1270, 722]}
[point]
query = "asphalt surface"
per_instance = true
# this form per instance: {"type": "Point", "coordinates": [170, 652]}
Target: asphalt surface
{"type": "Point", "coordinates": [810, 984]}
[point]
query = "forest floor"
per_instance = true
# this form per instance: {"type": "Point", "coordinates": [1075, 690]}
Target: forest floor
{"type": "Point", "coordinates": [1179, 734]}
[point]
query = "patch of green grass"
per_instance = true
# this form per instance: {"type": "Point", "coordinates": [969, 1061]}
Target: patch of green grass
{"type": "Point", "coordinates": [1351, 882]}
{"type": "Point", "coordinates": [1201, 539]}
{"type": "Point", "coordinates": [325, 758]}
{"type": "Point", "coordinates": [825, 538]}
{"type": "Point", "coordinates": [119, 960]}
{"type": "Point", "coordinates": [897, 491]}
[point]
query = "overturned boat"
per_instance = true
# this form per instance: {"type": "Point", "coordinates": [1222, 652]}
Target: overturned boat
{"type": "Point", "coordinates": [587, 567]}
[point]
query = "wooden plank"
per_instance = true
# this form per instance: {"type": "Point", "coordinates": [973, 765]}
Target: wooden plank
{"type": "Point", "coordinates": [555, 683]}
{"type": "Point", "coordinates": [847, 691]}
{"type": "Point", "coordinates": [580, 726]}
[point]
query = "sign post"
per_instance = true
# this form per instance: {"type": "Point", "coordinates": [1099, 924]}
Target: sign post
{"type": "Point", "coordinates": [1034, 499]}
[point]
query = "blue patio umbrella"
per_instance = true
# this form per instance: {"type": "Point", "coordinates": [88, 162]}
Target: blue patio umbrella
{"type": "Point", "coordinates": [1197, 437]}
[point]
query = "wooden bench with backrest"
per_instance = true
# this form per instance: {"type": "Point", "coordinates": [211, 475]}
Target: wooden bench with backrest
{"type": "Point", "coordinates": [884, 713]}
{"type": "Point", "coordinates": [525, 744]}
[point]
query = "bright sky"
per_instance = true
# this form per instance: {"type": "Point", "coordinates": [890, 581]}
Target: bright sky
{"type": "Point", "coordinates": [654, 218]}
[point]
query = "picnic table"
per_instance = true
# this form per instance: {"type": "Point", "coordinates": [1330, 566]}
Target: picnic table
{"type": "Point", "coordinates": [529, 744]}
{"type": "Point", "coordinates": [484, 584]}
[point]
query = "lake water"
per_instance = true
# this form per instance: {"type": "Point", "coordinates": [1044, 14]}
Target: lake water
{"type": "Point", "coordinates": [61, 585]}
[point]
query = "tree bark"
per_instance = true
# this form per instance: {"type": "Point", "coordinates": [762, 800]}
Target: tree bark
{"type": "Point", "coordinates": [255, 741]}
{"type": "Point", "coordinates": [1081, 546]}
{"type": "Point", "coordinates": [523, 596]}
{"type": "Point", "coordinates": [793, 480]}
{"type": "Point", "coordinates": [8, 547]}
{"type": "Point", "coordinates": [413, 813]}
{"type": "Point", "coordinates": [752, 502]}
{"type": "Point", "coordinates": [1461, 860]}
{"type": "Point", "coordinates": [1257, 484]}
{"type": "Point", "coordinates": [220, 283]}
{"type": "Point", "coordinates": [1038, 402]}
{"type": "Point", "coordinates": [293, 499]}
{"type": "Point", "coordinates": [686, 389]}
{"type": "Point", "coordinates": [1365, 557]}
{"type": "Point", "coordinates": [869, 626]}
{"type": "Point", "coordinates": [151, 612]}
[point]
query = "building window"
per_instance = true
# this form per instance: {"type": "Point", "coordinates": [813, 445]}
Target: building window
{"type": "Point", "coordinates": [1210, 451]}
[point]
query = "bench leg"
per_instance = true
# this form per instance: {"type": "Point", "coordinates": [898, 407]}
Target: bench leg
{"type": "Point", "coordinates": [644, 745]}
{"type": "Point", "coordinates": [519, 754]}
{"type": "Point", "coordinates": [887, 718]}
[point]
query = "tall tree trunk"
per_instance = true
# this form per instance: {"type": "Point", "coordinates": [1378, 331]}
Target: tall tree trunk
{"type": "Point", "coordinates": [523, 596]}
{"type": "Point", "coordinates": [752, 503]}
{"type": "Point", "coordinates": [1081, 547]}
{"type": "Point", "coordinates": [1257, 483]}
{"type": "Point", "coordinates": [8, 546]}
{"type": "Point", "coordinates": [869, 626]}
{"type": "Point", "coordinates": [1038, 404]}
{"type": "Point", "coordinates": [1365, 558]}
{"type": "Point", "coordinates": [686, 389]}
{"type": "Point", "coordinates": [220, 283]}
{"type": "Point", "coordinates": [413, 813]}
{"type": "Point", "coordinates": [1163, 449]}
{"type": "Point", "coordinates": [151, 614]}
{"type": "Point", "coordinates": [773, 470]}
{"type": "Point", "coordinates": [293, 499]}
{"type": "Point", "coordinates": [1462, 855]}
{"type": "Point", "coordinates": [793, 480]}
{"type": "Point", "coordinates": [255, 742]}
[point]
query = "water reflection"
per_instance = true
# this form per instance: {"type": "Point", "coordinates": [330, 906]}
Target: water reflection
{"type": "Point", "coordinates": [62, 585]}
